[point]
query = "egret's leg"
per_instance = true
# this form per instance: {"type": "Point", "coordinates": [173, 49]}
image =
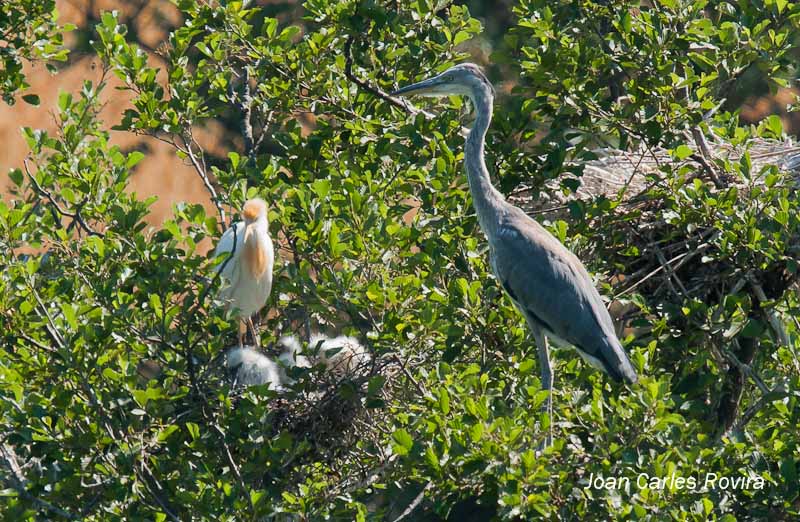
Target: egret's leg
{"type": "Point", "coordinates": [547, 379]}
{"type": "Point", "coordinates": [242, 330]}
{"type": "Point", "coordinates": [253, 332]}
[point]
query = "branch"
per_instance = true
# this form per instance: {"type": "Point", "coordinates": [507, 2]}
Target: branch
{"type": "Point", "coordinates": [76, 216]}
{"type": "Point", "coordinates": [746, 369]}
{"type": "Point", "coordinates": [775, 322]}
{"type": "Point", "coordinates": [247, 110]}
{"type": "Point", "coordinates": [18, 482]}
{"type": "Point", "coordinates": [50, 327]}
{"type": "Point", "coordinates": [410, 377]}
{"type": "Point", "coordinates": [235, 470]}
{"type": "Point", "coordinates": [155, 490]}
{"type": "Point", "coordinates": [201, 171]}
{"type": "Point", "coordinates": [775, 393]}
{"type": "Point", "coordinates": [414, 503]}
{"type": "Point", "coordinates": [36, 343]}
{"type": "Point", "coordinates": [376, 91]}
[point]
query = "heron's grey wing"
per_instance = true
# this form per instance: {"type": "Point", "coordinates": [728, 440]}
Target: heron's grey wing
{"type": "Point", "coordinates": [554, 289]}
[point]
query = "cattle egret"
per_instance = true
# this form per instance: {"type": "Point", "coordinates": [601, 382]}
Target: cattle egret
{"type": "Point", "coordinates": [290, 357]}
{"type": "Point", "coordinates": [248, 270]}
{"type": "Point", "coordinates": [343, 356]}
{"type": "Point", "coordinates": [252, 368]}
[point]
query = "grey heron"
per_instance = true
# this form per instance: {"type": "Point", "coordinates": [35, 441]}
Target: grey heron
{"type": "Point", "coordinates": [547, 283]}
{"type": "Point", "coordinates": [248, 270]}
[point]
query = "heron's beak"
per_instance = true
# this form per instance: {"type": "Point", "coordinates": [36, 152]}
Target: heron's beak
{"type": "Point", "coordinates": [425, 87]}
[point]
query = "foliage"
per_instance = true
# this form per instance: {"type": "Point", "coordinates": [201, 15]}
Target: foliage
{"type": "Point", "coordinates": [28, 32]}
{"type": "Point", "coordinates": [378, 238]}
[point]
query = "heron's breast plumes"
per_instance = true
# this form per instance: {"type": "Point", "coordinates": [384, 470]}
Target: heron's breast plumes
{"type": "Point", "coordinates": [254, 254]}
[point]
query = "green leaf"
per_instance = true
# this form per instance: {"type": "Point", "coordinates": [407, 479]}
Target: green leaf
{"type": "Point", "coordinates": [70, 315]}
{"type": "Point", "coordinates": [164, 434]}
{"type": "Point", "coordinates": [155, 305]}
{"type": "Point", "coordinates": [31, 99]}
{"type": "Point", "coordinates": [431, 458]}
{"type": "Point", "coordinates": [682, 152]}
{"type": "Point", "coordinates": [461, 36]}
{"type": "Point", "coordinates": [321, 187]}
{"type": "Point", "coordinates": [403, 442]}
{"type": "Point", "coordinates": [16, 176]}
{"type": "Point", "coordinates": [109, 20]}
{"type": "Point", "coordinates": [194, 430]}
{"type": "Point", "coordinates": [444, 401]}
{"type": "Point", "coordinates": [775, 125]}
{"type": "Point", "coordinates": [133, 158]}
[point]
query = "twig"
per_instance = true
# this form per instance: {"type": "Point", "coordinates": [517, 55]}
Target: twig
{"type": "Point", "coordinates": [400, 103]}
{"type": "Point", "coordinates": [37, 343]}
{"type": "Point", "coordinates": [235, 470]}
{"type": "Point", "coordinates": [76, 216]}
{"type": "Point", "coordinates": [376, 91]}
{"type": "Point", "coordinates": [18, 482]}
{"type": "Point", "coordinates": [50, 327]}
{"type": "Point", "coordinates": [414, 503]}
{"type": "Point", "coordinates": [206, 181]}
{"type": "Point", "coordinates": [410, 377]}
{"type": "Point", "coordinates": [658, 269]}
{"type": "Point", "coordinates": [745, 368]}
{"type": "Point", "coordinates": [155, 491]}
{"type": "Point", "coordinates": [756, 406]}
{"type": "Point", "coordinates": [704, 157]}
{"type": "Point", "coordinates": [670, 272]}
{"type": "Point", "coordinates": [775, 322]}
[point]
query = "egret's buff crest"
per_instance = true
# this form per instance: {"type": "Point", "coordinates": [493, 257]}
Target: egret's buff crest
{"type": "Point", "coordinates": [254, 208]}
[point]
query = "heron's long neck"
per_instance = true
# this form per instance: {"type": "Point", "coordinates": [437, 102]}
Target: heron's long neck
{"type": "Point", "coordinates": [487, 200]}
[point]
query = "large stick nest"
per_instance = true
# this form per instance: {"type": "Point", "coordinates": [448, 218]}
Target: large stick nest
{"type": "Point", "coordinates": [670, 265]}
{"type": "Point", "coordinates": [670, 260]}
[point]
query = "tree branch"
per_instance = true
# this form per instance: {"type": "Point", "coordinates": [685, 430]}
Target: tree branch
{"type": "Point", "coordinates": [76, 216]}
{"type": "Point", "coordinates": [18, 482]}
{"type": "Point", "coordinates": [400, 103]}
{"type": "Point", "coordinates": [414, 503]}
{"type": "Point", "coordinates": [201, 171]}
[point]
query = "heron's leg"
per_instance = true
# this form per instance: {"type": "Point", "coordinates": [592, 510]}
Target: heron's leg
{"type": "Point", "coordinates": [547, 378]}
{"type": "Point", "coordinates": [253, 332]}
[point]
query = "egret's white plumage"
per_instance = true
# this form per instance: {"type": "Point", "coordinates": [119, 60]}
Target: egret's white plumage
{"type": "Point", "coordinates": [343, 356]}
{"type": "Point", "coordinates": [291, 357]}
{"type": "Point", "coordinates": [253, 368]}
{"type": "Point", "coordinates": [248, 272]}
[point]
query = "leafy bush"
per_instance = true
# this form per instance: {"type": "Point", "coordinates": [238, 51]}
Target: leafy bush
{"type": "Point", "coordinates": [379, 239]}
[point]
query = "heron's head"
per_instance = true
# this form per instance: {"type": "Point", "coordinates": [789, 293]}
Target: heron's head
{"type": "Point", "coordinates": [465, 79]}
{"type": "Point", "coordinates": [254, 209]}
